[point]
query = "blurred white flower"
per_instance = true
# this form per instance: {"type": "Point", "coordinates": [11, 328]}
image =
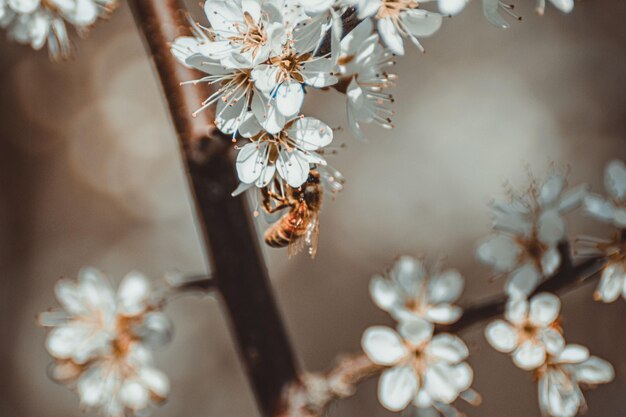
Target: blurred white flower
{"type": "Point", "coordinates": [560, 379]}
{"type": "Point", "coordinates": [531, 332]}
{"type": "Point", "coordinates": [408, 292]}
{"type": "Point", "coordinates": [364, 62]}
{"type": "Point", "coordinates": [37, 22]}
{"type": "Point", "coordinates": [427, 371]}
{"type": "Point", "coordinates": [565, 6]}
{"type": "Point", "coordinates": [100, 342]}
{"type": "Point", "coordinates": [290, 152]}
{"type": "Point", "coordinates": [528, 231]}
{"type": "Point", "coordinates": [397, 19]}
{"type": "Point", "coordinates": [613, 209]}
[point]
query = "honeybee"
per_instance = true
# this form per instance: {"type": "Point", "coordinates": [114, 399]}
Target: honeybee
{"type": "Point", "coordinates": [299, 227]}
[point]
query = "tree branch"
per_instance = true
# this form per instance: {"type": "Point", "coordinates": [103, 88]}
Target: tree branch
{"type": "Point", "coordinates": [312, 396]}
{"type": "Point", "coordinates": [231, 244]}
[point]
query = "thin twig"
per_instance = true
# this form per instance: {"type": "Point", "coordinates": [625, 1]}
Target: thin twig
{"type": "Point", "coordinates": [231, 244]}
{"type": "Point", "coordinates": [312, 396]}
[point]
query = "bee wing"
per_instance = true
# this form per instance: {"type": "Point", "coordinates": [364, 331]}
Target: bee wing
{"type": "Point", "coordinates": [297, 243]}
{"type": "Point", "coordinates": [271, 218]}
{"type": "Point", "coordinates": [312, 234]}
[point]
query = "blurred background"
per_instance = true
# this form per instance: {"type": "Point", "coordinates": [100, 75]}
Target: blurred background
{"type": "Point", "coordinates": [90, 175]}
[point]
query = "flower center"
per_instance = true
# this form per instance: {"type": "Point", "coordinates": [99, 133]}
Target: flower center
{"type": "Point", "coordinates": [393, 8]}
{"type": "Point", "coordinates": [290, 65]}
{"type": "Point", "coordinates": [252, 36]}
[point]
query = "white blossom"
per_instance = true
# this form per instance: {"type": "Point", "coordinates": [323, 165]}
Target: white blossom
{"type": "Point", "coordinates": [364, 63]}
{"type": "Point", "coordinates": [288, 153]}
{"type": "Point", "coordinates": [100, 342]}
{"type": "Point", "coordinates": [531, 331]}
{"type": "Point", "coordinates": [399, 18]}
{"type": "Point", "coordinates": [427, 371]}
{"type": "Point", "coordinates": [528, 230]}
{"type": "Point", "coordinates": [41, 22]}
{"type": "Point", "coordinates": [560, 379]}
{"type": "Point", "coordinates": [408, 292]}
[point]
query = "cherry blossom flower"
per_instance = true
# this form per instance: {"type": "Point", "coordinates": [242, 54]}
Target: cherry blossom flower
{"type": "Point", "coordinates": [247, 31]}
{"type": "Point", "coordinates": [427, 371]}
{"type": "Point", "coordinates": [531, 331]}
{"type": "Point", "coordinates": [560, 379]}
{"type": "Point", "coordinates": [100, 343]}
{"type": "Point", "coordinates": [41, 22]}
{"type": "Point", "coordinates": [528, 230]}
{"type": "Point", "coordinates": [399, 18]}
{"type": "Point", "coordinates": [408, 292]}
{"type": "Point", "coordinates": [365, 62]}
{"type": "Point", "coordinates": [288, 153]}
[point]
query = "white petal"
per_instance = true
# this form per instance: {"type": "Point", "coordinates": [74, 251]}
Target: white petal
{"type": "Point", "coordinates": [250, 126]}
{"type": "Point", "coordinates": [223, 15]}
{"type": "Point", "coordinates": [500, 251]}
{"type": "Point", "coordinates": [553, 340]}
{"type": "Point", "coordinates": [565, 6]}
{"type": "Point", "coordinates": [293, 167]}
{"type": "Point", "coordinates": [501, 336]}
{"type": "Point", "coordinates": [550, 261]}
{"type": "Point", "coordinates": [551, 190]}
{"type": "Point", "coordinates": [573, 198]}
{"type": "Point", "coordinates": [573, 354]}
{"type": "Point", "coordinates": [447, 347]}
{"type": "Point", "coordinates": [229, 115]}
{"type": "Point", "coordinates": [451, 7]}
{"type": "Point", "coordinates": [551, 227]}
{"type": "Point", "coordinates": [91, 388]}
{"type": "Point", "coordinates": [444, 313]}
{"type": "Point", "coordinates": [383, 345]}
{"type": "Point", "coordinates": [310, 133]}
{"type": "Point", "coordinates": [599, 208]}
{"type": "Point", "coordinates": [384, 293]}
{"type": "Point", "coordinates": [523, 281]}
{"type": "Point", "coordinates": [156, 381]}
{"type": "Point", "coordinates": [264, 77]}
{"type": "Point", "coordinates": [439, 383]}
{"type": "Point", "coordinates": [595, 371]}
{"type": "Point", "coordinates": [397, 387]}
{"type": "Point", "coordinates": [289, 98]}
{"type": "Point", "coordinates": [155, 330]}
{"type": "Point", "coordinates": [445, 287]}
{"type": "Point", "coordinates": [416, 330]}
{"type": "Point", "coordinates": [23, 6]}
{"type": "Point", "coordinates": [420, 22]}
{"type": "Point", "coordinates": [544, 309]}
{"type": "Point", "coordinates": [516, 310]}
{"type": "Point", "coordinates": [409, 273]}
{"type": "Point", "coordinates": [84, 13]}
{"type": "Point", "coordinates": [70, 297]}
{"type": "Point", "coordinates": [390, 36]}
{"type": "Point", "coordinates": [266, 113]}
{"type": "Point", "coordinates": [368, 8]}
{"type": "Point", "coordinates": [529, 356]}
{"type": "Point", "coordinates": [134, 395]}
{"type": "Point", "coordinates": [96, 290]}
{"type": "Point", "coordinates": [612, 282]}
{"type": "Point", "coordinates": [133, 294]}
{"type": "Point", "coordinates": [250, 162]}
{"type": "Point", "coordinates": [615, 179]}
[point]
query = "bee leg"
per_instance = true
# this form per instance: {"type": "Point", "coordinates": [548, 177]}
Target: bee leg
{"type": "Point", "coordinates": [268, 196]}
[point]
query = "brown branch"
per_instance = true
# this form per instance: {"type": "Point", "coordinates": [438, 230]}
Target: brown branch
{"type": "Point", "coordinates": [312, 396]}
{"type": "Point", "coordinates": [231, 244]}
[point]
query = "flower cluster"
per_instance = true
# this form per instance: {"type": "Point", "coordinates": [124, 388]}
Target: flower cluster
{"type": "Point", "coordinates": [533, 336]}
{"type": "Point", "coordinates": [528, 230]}
{"type": "Point", "coordinates": [40, 22]}
{"type": "Point", "coordinates": [425, 369]}
{"type": "Point", "coordinates": [101, 343]}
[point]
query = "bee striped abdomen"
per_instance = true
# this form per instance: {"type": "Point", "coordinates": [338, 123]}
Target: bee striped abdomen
{"type": "Point", "coordinates": [291, 226]}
